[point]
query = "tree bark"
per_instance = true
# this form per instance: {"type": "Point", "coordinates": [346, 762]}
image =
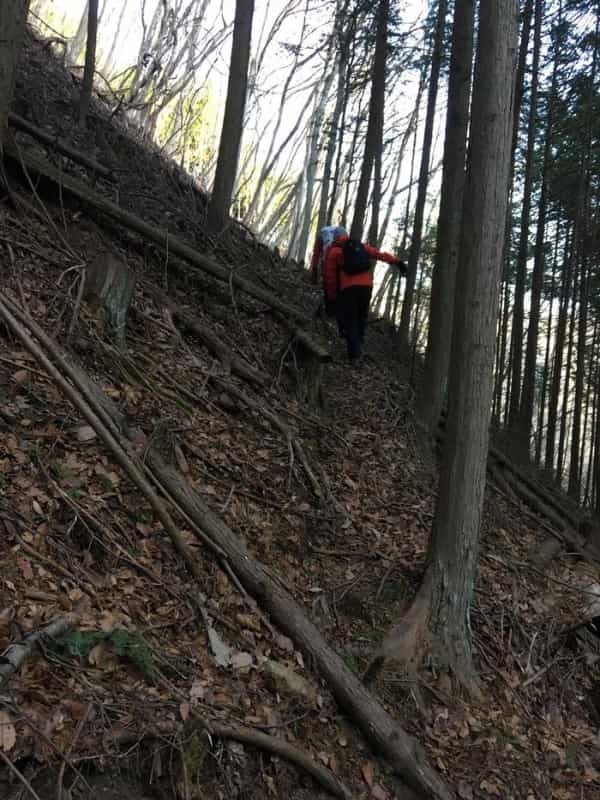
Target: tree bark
{"type": "Point", "coordinates": [443, 280]}
{"type": "Point", "coordinates": [233, 121]}
{"type": "Point", "coordinates": [417, 232]}
{"type": "Point", "coordinates": [375, 124]}
{"type": "Point", "coordinates": [13, 16]}
{"type": "Point", "coordinates": [90, 61]}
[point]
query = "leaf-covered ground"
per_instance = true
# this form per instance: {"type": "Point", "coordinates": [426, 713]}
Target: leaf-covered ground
{"type": "Point", "coordinates": [153, 647]}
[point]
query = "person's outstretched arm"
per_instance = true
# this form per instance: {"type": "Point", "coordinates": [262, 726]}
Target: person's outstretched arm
{"type": "Point", "coordinates": [381, 255]}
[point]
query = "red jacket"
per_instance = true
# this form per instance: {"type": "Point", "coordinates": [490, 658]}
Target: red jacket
{"type": "Point", "coordinates": [334, 276]}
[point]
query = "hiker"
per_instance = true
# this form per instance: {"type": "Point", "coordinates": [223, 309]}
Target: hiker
{"type": "Point", "coordinates": [323, 242]}
{"type": "Point", "coordinates": [348, 278]}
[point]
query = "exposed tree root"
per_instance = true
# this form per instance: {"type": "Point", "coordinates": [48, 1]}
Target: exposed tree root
{"type": "Point", "coordinates": [247, 736]}
{"type": "Point", "coordinates": [419, 635]}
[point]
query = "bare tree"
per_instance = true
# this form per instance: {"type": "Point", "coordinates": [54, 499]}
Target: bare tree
{"type": "Point", "coordinates": [231, 133]}
{"type": "Point", "coordinates": [375, 124]}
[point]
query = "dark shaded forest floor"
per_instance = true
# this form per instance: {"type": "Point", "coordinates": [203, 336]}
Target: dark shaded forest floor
{"type": "Point", "coordinates": [77, 533]}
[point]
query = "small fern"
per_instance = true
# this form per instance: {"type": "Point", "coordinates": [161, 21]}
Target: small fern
{"type": "Point", "coordinates": [126, 644]}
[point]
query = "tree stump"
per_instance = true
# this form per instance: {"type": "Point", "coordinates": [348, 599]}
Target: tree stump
{"type": "Point", "coordinates": [307, 368]}
{"type": "Point", "coordinates": [108, 289]}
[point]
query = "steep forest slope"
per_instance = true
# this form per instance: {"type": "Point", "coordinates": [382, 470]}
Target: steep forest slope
{"type": "Point", "coordinates": [336, 502]}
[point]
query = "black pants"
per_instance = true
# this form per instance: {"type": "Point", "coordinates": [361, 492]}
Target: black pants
{"type": "Point", "coordinates": [352, 312]}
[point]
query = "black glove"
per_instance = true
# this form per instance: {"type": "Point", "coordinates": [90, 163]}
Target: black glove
{"type": "Point", "coordinates": [402, 268]}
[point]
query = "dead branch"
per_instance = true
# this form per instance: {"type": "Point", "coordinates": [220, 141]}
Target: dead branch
{"type": "Point", "coordinates": [236, 364]}
{"type": "Point", "coordinates": [15, 654]}
{"type": "Point", "coordinates": [62, 147]}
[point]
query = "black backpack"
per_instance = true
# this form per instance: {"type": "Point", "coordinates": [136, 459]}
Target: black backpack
{"type": "Point", "coordinates": [356, 258]}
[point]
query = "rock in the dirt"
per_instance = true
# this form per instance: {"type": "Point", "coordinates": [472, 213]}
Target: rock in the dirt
{"type": "Point", "coordinates": [287, 681]}
{"type": "Point", "coordinates": [85, 434]}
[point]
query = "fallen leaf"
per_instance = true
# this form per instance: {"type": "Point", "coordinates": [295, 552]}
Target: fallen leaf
{"type": "Point", "coordinates": [184, 711]}
{"type": "Point", "coordinates": [95, 656]}
{"type": "Point", "coordinates": [197, 691]}
{"type": "Point", "coordinates": [20, 376]}
{"type": "Point", "coordinates": [8, 734]}
{"type": "Point", "coordinates": [367, 773]}
{"type": "Point", "coordinates": [241, 660]}
{"type": "Point", "coordinates": [25, 567]}
{"type": "Point", "coordinates": [379, 793]}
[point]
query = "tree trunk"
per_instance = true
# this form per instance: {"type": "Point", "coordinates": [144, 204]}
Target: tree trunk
{"type": "Point", "coordinates": [527, 398]}
{"type": "Point", "coordinates": [574, 487]}
{"type": "Point", "coordinates": [377, 191]}
{"type": "Point", "coordinates": [375, 124]}
{"type": "Point", "coordinates": [448, 234]}
{"type": "Point", "coordinates": [301, 234]}
{"type": "Point", "coordinates": [505, 370]}
{"type": "Point", "coordinates": [516, 331]}
{"type": "Point", "coordinates": [565, 413]}
{"type": "Point", "coordinates": [546, 370]}
{"type": "Point", "coordinates": [344, 38]}
{"type": "Point", "coordinates": [90, 61]}
{"type": "Point", "coordinates": [415, 244]}
{"type": "Point", "coordinates": [233, 120]}
{"type": "Point", "coordinates": [561, 330]}
{"type": "Point", "coordinates": [440, 614]}
{"type": "Point", "coordinates": [13, 16]}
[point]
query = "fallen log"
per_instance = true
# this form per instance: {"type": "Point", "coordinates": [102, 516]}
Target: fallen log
{"type": "Point", "coordinates": [15, 654]}
{"type": "Point", "coordinates": [168, 242]}
{"type": "Point", "coordinates": [561, 530]}
{"type": "Point", "coordinates": [57, 144]}
{"type": "Point", "coordinates": [236, 364]}
{"type": "Point", "coordinates": [406, 756]}
{"type": "Point", "coordinates": [536, 488]}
